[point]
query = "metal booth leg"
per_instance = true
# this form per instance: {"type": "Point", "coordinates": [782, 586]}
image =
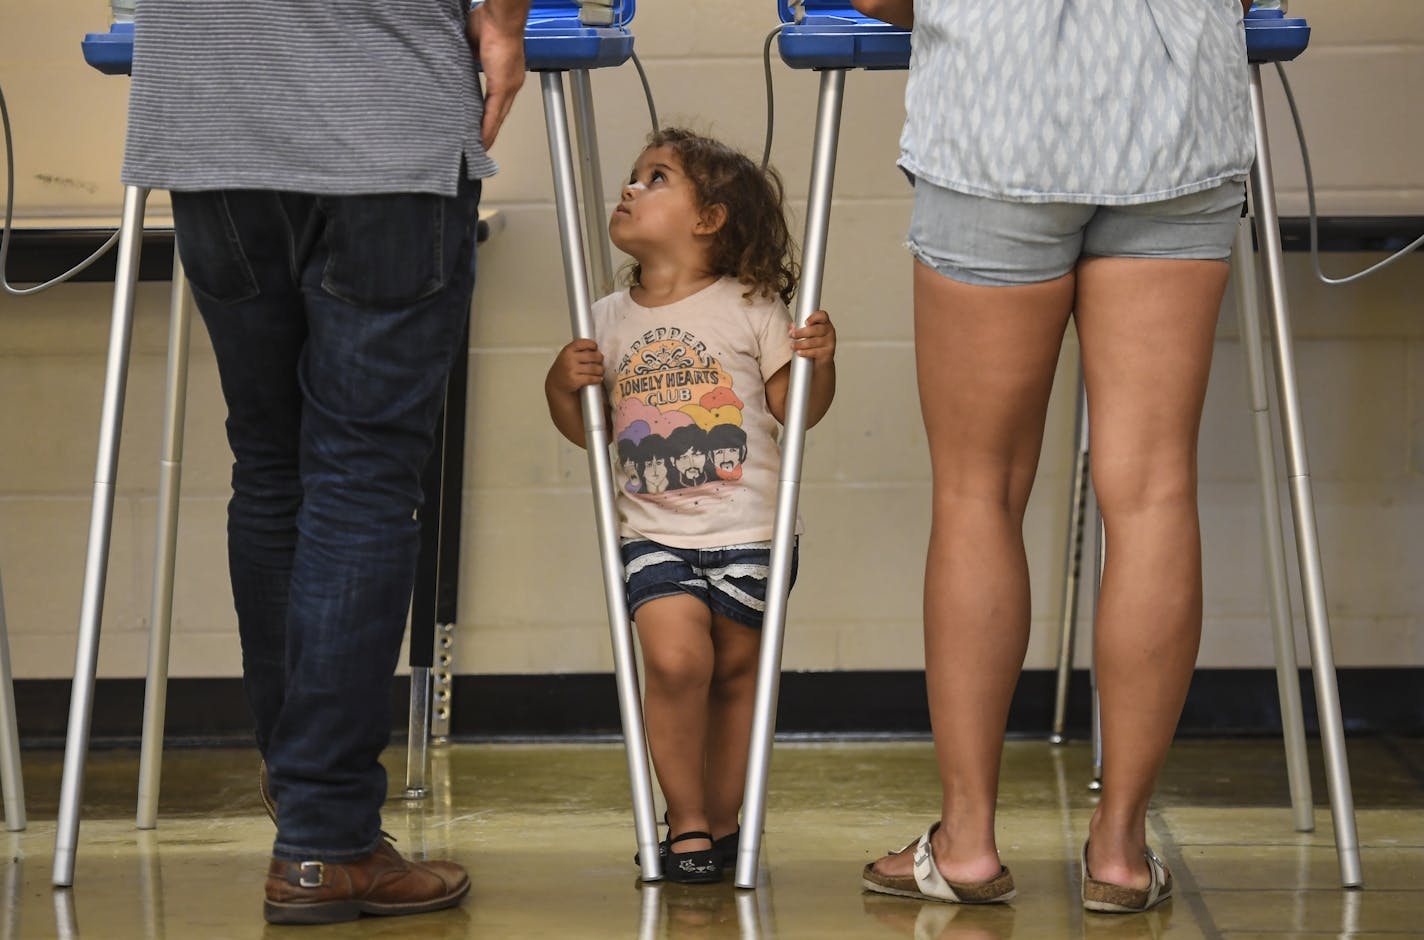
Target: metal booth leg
{"type": "Point", "coordinates": [447, 568]}
{"type": "Point", "coordinates": [1100, 558]}
{"type": "Point", "coordinates": [435, 597]}
{"type": "Point", "coordinates": [422, 614]}
{"type": "Point", "coordinates": [1277, 592]}
{"type": "Point", "coordinates": [808, 298]}
{"type": "Point", "coordinates": [12, 784]}
{"type": "Point", "coordinates": [600, 467]}
{"type": "Point", "coordinates": [170, 477]}
{"type": "Point", "coordinates": [418, 730]}
{"type": "Point", "coordinates": [1327, 696]}
{"type": "Point", "coordinates": [595, 221]}
{"type": "Point", "coordinates": [595, 216]}
{"type": "Point", "coordinates": [1072, 563]}
{"type": "Point", "coordinates": [96, 559]}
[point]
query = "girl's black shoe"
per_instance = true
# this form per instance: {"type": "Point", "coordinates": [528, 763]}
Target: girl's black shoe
{"type": "Point", "coordinates": [726, 848]}
{"type": "Point", "coordinates": [703, 866]}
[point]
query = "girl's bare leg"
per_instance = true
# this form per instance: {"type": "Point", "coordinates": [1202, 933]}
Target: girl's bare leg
{"type": "Point", "coordinates": [676, 637]}
{"type": "Point", "coordinates": [985, 358]}
{"type": "Point", "coordinates": [729, 721]}
{"type": "Point", "coordinates": [1146, 328]}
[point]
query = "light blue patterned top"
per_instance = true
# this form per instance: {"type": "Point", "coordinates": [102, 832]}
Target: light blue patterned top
{"type": "Point", "coordinates": [1109, 102]}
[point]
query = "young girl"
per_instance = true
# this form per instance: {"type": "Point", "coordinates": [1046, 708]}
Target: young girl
{"type": "Point", "coordinates": [695, 360]}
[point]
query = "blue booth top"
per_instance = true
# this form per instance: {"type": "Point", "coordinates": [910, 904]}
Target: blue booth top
{"type": "Point", "coordinates": [820, 34]}
{"type": "Point", "coordinates": [831, 34]}
{"type": "Point", "coordinates": [1271, 36]}
{"type": "Point", "coordinates": [555, 38]}
{"type": "Point", "coordinates": [111, 52]}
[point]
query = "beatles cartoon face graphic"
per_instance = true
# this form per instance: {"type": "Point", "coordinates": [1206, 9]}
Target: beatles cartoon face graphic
{"type": "Point", "coordinates": [689, 455]}
{"type": "Point", "coordinates": [628, 465]}
{"type": "Point", "coordinates": [727, 463]}
{"type": "Point", "coordinates": [727, 444]}
{"type": "Point", "coordinates": [676, 417]}
{"type": "Point", "coordinates": [655, 473]}
{"type": "Point", "coordinates": [691, 467]}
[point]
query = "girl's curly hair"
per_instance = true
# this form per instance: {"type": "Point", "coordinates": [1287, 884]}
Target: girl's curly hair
{"type": "Point", "coordinates": [754, 244]}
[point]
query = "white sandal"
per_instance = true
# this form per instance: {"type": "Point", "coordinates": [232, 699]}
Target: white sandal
{"type": "Point", "coordinates": [929, 885]}
{"type": "Point", "coordinates": [1108, 898]}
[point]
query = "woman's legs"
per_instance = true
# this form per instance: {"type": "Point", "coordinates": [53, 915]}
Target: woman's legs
{"type": "Point", "coordinates": [729, 721]}
{"type": "Point", "coordinates": [675, 633]}
{"type": "Point", "coordinates": [1146, 328]}
{"type": "Point", "coordinates": [985, 358]}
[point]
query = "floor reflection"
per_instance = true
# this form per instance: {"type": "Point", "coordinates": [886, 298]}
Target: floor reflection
{"type": "Point", "coordinates": [66, 921]}
{"type": "Point", "coordinates": [14, 876]}
{"type": "Point", "coordinates": [676, 912]}
{"type": "Point", "coordinates": [546, 833]}
{"type": "Point", "coordinates": [931, 920]}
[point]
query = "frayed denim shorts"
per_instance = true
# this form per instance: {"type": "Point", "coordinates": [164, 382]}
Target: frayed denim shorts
{"type": "Point", "coordinates": [730, 580]}
{"type": "Point", "coordinates": [994, 242]}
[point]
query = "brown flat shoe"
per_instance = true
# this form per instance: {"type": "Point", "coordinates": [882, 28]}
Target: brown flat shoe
{"type": "Point", "coordinates": [1107, 898]}
{"type": "Point", "coordinates": [383, 883]}
{"type": "Point", "coordinates": [928, 884]}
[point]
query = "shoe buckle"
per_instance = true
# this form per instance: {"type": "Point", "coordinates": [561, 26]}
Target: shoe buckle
{"type": "Point", "coordinates": [311, 874]}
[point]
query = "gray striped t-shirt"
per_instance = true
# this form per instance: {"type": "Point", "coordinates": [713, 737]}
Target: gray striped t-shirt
{"type": "Point", "coordinates": [365, 96]}
{"type": "Point", "coordinates": [1107, 102]}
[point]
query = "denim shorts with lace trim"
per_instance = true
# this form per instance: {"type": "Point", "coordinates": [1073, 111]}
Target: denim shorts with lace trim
{"type": "Point", "coordinates": [731, 579]}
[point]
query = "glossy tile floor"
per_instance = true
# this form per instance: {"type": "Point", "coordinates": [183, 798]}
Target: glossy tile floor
{"type": "Point", "coordinates": [546, 832]}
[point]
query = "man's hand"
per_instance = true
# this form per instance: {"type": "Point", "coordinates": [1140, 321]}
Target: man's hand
{"type": "Point", "coordinates": [496, 32]}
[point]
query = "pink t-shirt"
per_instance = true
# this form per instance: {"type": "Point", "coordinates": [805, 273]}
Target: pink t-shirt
{"type": "Point", "coordinates": [695, 453]}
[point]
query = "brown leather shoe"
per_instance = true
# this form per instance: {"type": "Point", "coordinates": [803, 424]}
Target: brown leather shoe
{"type": "Point", "coordinates": [382, 883]}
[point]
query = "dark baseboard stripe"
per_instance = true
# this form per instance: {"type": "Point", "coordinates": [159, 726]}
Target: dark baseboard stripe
{"type": "Point", "coordinates": [1221, 702]}
{"type": "Point", "coordinates": [40, 254]}
{"type": "Point", "coordinates": [1386, 233]}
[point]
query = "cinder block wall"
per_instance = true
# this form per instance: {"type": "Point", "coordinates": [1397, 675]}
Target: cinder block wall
{"type": "Point", "coordinates": [531, 595]}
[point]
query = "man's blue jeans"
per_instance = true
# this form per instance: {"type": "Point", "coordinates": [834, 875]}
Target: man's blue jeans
{"type": "Point", "coordinates": [335, 320]}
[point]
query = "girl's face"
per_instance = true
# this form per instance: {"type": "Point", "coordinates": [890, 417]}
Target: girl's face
{"type": "Point", "coordinates": [658, 207]}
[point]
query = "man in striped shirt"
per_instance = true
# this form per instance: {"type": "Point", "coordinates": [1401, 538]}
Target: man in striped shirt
{"type": "Point", "coordinates": [325, 163]}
